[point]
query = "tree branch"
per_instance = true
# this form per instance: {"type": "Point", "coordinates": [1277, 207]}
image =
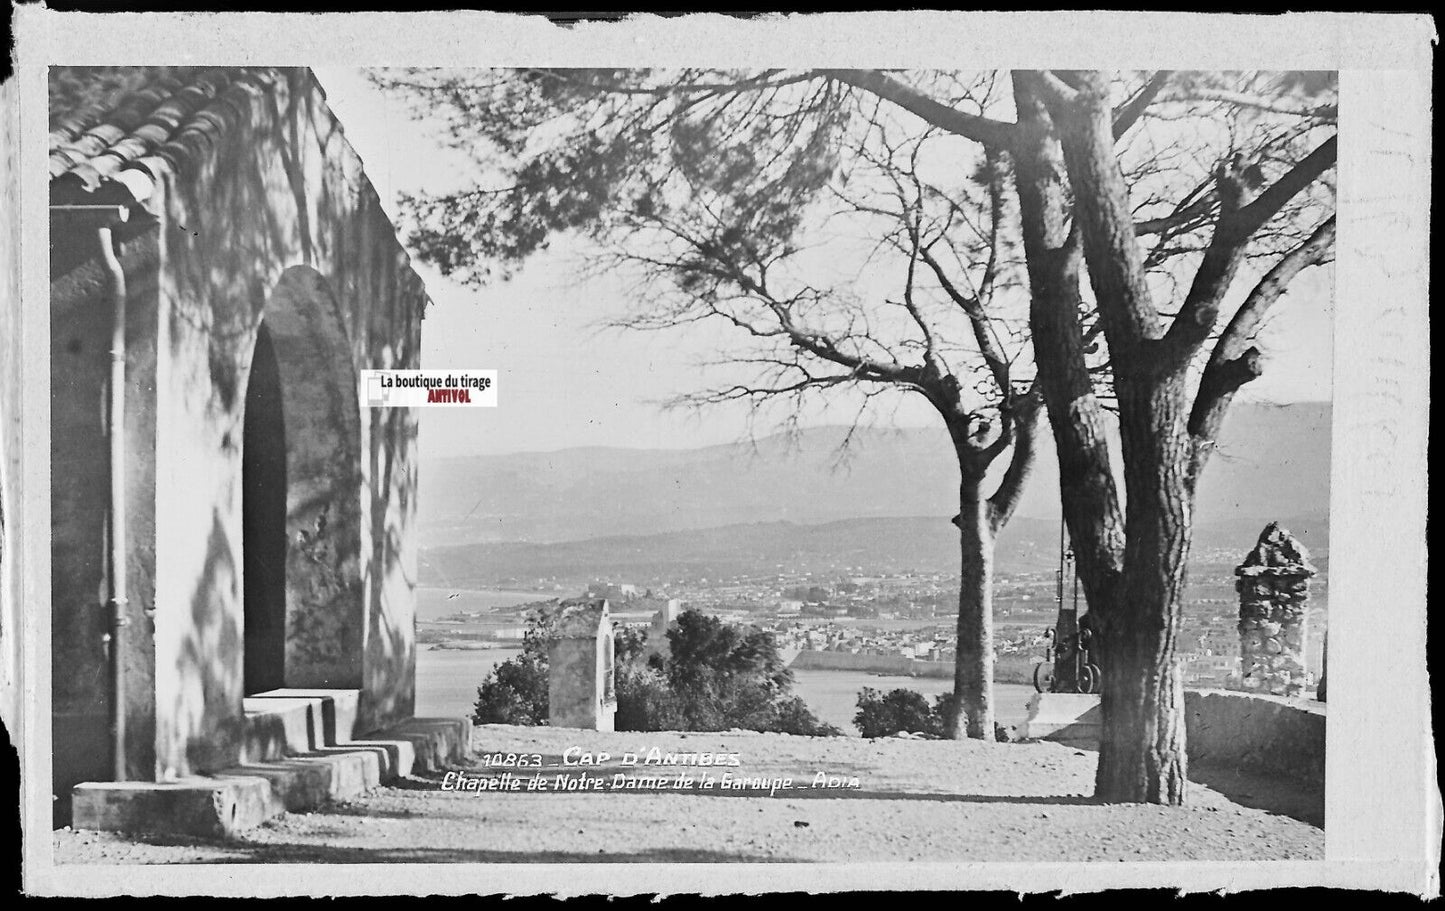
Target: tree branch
{"type": "Point", "coordinates": [1266, 204]}
{"type": "Point", "coordinates": [1010, 489]}
{"type": "Point", "coordinates": [978, 320]}
{"type": "Point", "coordinates": [592, 80]}
{"type": "Point", "coordinates": [1055, 90]}
{"type": "Point", "coordinates": [930, 346]}
{"type": "Point", "coordinates": [1234, 360]}
{"type": "Point", "coordinates": [1129, 113]}
{"type": "Point", "coordinates": [1246, 100]}
{"type": "Point", "coordinates": [989, 132]}
{"type": "Point", "coordinates": [1187, 217]}
{"type": "Point", "coordinates": [1235, 225]}
{"type": "Point", "coordinates": [1087, 485]}
{"type": "Point", "coordinates": [1101, 206]}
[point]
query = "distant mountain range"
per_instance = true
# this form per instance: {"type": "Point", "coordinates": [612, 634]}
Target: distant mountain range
{"type": "Point", "coordinates": [916, 544]}
{"type": "Point", "coordinates": [885, 502]}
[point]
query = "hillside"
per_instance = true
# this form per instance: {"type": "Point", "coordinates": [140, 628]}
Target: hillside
{"type": "Point", "coordinates": [1273, 463]}
{"type": "Point", "coordinates": [917, 544]}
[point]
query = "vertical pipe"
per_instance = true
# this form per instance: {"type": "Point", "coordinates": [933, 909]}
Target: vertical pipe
{"type": "Point", "coordinates": [115, 429]}
{"type": "Point", "coordinates": [1076, 587]}
{"type": "Point", "coordinates": [1059, 579]}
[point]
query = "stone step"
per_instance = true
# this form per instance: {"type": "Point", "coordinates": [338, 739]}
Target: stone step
{"type": "Point", "coordinates": [437, 743]}
{"type": "Point", "coordinates": [287, 721]}
{"type": "Point", "coordinates": [277, 728]}
{"type": "Point", "coordinates": [214, 806]}
{"type": "Point", "coordinates": [245, 796]}
{"type": "Point", "coordinates": [308, 781]}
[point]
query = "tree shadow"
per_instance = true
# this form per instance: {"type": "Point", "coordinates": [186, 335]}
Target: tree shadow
{"type": "Point", "coordinates": [303, 853]}
{"type": "Point", "coordinates": [1298, 799]}
{"type": "Point", "coordinates": [598, 782]}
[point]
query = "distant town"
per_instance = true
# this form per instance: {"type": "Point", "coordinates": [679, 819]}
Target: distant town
{"type": "Point", "coordinates": [899, 623]}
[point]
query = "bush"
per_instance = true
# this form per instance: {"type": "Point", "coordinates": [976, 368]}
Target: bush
{"type": "Point", "coordinates": [515, 692]}
{"type": "Point", "coordinates": [645, 702]}
{"type": "Point", "coordinates": [718, 677]}
{"type": "Point", "coordinates": [942, 704]}
{"type": "Point", "coordinates": [885, 714]}
{"type": "Point", "coordinates": [792, 716]}
{"type": "Point", "coordinates": [629, 646]}
{"type": "Point", "coordinates": [727, 676]}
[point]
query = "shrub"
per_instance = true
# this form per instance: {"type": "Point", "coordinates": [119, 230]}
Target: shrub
{"type": "Point", "coordinates": [629, 646]}
{"type": "Point", "coordinates": [885, 714]}
{"type": "Point", "coordinates": [718, 677]}
{"type": "Point", "coordinates": [515, 692]}
{"type": "Point", "coordinates": [645, 702]}
{"type": "Point", "coordinates": [942, 703]}
{"type": "Point", "coordinates": [727, 676]}
{"type": "Point", "coordinates": [792, 716]}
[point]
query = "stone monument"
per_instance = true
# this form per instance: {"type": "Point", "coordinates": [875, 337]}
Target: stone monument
{"type": "Point", "coordinates": [662, 621]}
{"type": "Point", "coordinates": [1273, 586]}
{"type": "Point", "coordinates": [580, 687]}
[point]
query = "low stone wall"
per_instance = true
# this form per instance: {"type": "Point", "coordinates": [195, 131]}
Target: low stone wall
{"type": "Point", "coordinates": [1006, 669]}
{"type": "Point", "coordinates": [848, 661]}
{"type": "Point", "coordinates": [1268, 733]}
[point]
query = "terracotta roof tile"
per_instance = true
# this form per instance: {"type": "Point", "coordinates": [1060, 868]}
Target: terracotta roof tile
{"type": "Point", "coordinates": [106, 122]}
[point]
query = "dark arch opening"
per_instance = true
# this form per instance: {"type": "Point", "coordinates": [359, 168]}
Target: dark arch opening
{"type": "Point", "coordinates": [263, 522]}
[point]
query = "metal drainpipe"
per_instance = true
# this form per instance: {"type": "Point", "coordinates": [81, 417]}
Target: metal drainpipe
{"type": "Point", "coordinates": [115, 428]}
{"type": "Point", "coordinates": [102, 218]}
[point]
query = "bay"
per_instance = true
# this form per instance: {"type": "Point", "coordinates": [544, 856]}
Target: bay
{"type": "Point", "coordinates": [447, 681]}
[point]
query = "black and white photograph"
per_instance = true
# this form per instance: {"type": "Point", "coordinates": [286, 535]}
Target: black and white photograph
{"type": "Point", "coordinates": [715, 461]}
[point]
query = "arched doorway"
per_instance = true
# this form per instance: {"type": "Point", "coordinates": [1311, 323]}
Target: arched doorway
{"type": "Point", "coordinates": [263, 521]}
{"type": "Point", "coordinates": [302, 506]}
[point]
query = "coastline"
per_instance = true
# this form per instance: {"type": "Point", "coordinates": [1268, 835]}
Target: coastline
{"type": "Point", "coordinates": [1007, 668]}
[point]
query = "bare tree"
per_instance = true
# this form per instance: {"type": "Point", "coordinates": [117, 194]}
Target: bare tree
{"type": "Point", "coordinates": [1156, 186]}
{"type": "Point", "coordinates": [1227, 176]}
{"type": "Point", "coordinates": [1168, 418]}
{"type": "Point", "coordinates": [739, 216]}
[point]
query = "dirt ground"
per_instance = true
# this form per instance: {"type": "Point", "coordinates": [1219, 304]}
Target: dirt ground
{"type": "Point", "coordinates": [887, 800]}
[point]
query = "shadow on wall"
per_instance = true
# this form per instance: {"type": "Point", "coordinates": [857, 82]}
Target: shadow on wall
{"type": "Point", "coordinates": [325, 617]}
{"type": "Point", "coordinates": [209, 647]}
{"type": "Point", "coordinates": [257, 212]}
{"type": "Point", "coordinates": [391, 647]}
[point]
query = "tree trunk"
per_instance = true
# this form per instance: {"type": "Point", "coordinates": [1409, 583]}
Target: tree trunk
{"type": "Point", "coordinates": [1090, 497]}
{"type": "Point", "coordinates": [1141, 752]}
{"type": "Point", "coordinates": [972, 711]}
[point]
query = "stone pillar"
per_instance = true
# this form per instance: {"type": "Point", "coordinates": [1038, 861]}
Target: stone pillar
{"type": "Point", "coordinates": [662, 621]}
{"type": "Point", "coordinates": [580, 687]}
{"type": "Point", "coordinates": [1273, 588]}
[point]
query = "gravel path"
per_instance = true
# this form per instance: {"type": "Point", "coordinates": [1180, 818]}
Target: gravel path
{"type": "Point", "coordinates": [912, 800]}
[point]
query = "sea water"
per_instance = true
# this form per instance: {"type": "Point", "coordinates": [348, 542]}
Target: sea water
{"type": "Point", "coordinates": [447, 681]}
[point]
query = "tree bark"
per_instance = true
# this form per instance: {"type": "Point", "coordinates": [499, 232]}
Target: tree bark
{"type": "Point", "coordinates": [1089, 493]}
{"type": "Point", "coordinates": [1142, 752]}
{"type": "Point", "coordinates": [972, 711]}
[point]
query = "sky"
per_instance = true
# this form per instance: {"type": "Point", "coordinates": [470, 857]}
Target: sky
{"type": "Point", "coordinates": [566, 381]}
